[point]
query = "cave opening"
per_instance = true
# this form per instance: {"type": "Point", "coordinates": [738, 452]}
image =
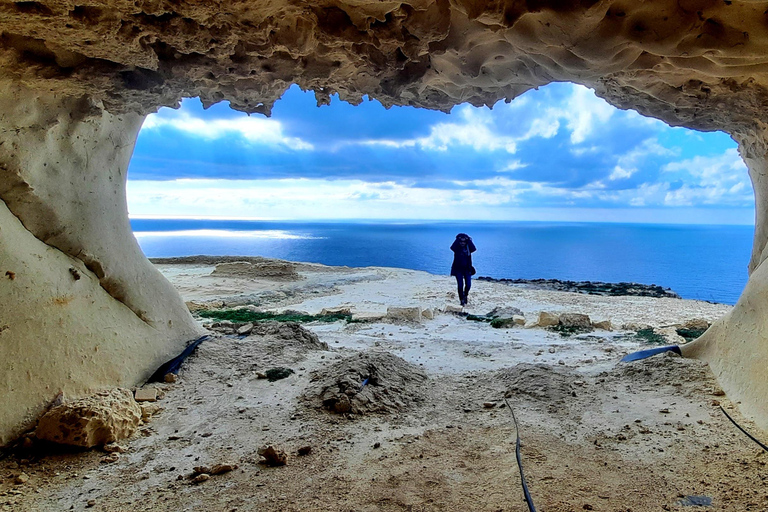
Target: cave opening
{"type": "Point", "coordinates": [560, 183]}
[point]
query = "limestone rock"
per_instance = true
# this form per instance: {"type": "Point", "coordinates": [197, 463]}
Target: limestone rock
{"type": "Point", "coordinates": [428, 314]}
{"type": "Point", "coordinates": [339, 310]}
{"type": "Point", "coordinates": [267, 269]}
{"type": "Point", "coordinates": [519, 320]}
{"type": "Point", "coordinates": [504, 312]}
{"type": "Point", "coordinates": [451, 308]}
{"type": "Point", "coordinates": [547, 319]}
{"type": "Point", "coordinates": [103, 418]}
{"type": "Point", "coordinates": [245, 329]}
{"type": "Point", "coordinates": [697, 324]}
{"type": "Point", "coordinates": [605, 325]}
{"type": "Point", "coordinates": [409, 314]}
{"type": "Point", "coordinates": [575, 321]}
{"type": "Point", "coordinates": [273, 456]}
{"type": "Point", "coordinates": [146, 394]}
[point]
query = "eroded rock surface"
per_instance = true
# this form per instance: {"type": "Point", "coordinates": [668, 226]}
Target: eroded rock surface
{"type": "Point", "coordinates": [103, 418]}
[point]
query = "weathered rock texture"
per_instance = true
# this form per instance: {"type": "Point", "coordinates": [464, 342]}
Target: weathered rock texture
{"type": "Point", "coordinates": [76, 78]}
{"type": "Point", "coordinates": [96, 420]}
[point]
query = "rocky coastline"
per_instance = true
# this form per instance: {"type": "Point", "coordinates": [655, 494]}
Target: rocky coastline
{"type": "Point", "coordinates": [590, 287]}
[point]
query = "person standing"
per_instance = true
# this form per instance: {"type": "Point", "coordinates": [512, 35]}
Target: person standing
{"type": "Point", "coordinates": [462, 268]}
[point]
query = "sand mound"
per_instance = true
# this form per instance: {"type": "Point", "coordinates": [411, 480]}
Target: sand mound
{"type": "Point", "coordinates": [392, 385]}
{"type": "Point", "coordinates": [665, 370]}
{"type": "Point", "coordinates": [267, 269]}
{"type": "Point", "coordinates": [539, 382]}
{"type": "Point", "coordinates": [290, 331]}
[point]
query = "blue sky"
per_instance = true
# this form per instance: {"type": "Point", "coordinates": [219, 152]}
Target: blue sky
{"type": "Point", "coordinates": [556, 153]}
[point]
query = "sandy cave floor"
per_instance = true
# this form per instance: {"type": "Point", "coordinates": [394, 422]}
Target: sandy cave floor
{"type": "Point", "coordinates": [596, 435]}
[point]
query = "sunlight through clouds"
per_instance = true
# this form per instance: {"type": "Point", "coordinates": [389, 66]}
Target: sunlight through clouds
{"type": "Point", "coordinates": [559, 147]}
{"type": "Point", "coordinates": [253, 129]}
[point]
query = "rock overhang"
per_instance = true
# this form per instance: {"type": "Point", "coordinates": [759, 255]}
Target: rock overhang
{"type": "Point", "coordinates": [695, 63]}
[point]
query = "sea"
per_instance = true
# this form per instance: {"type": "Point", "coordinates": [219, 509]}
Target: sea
{"type": "Point", "coordinates": [696, 261]}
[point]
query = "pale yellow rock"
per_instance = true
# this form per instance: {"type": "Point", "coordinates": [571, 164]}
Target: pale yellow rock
{"type": "Point", "coordinates": [146, 394]}
{"type": "Point", "coordinates": [339, 310]}
{"type": "Point", "coordinates": [605, 325]}
{"type": "Point", "coordinates": [428, 313]}
{"type": "Point", "coordinates": [103, 418]}
{"type": "Point", "coordinates": [410, 314]}
{"type": "Point", "coordinates": [547, 319]}
{"type": "Point", "coordinates": [518, 320]}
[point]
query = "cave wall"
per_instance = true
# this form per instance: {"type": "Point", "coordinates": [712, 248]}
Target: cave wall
{"type": "Point", "coordinates": [81, 306]}
{"type": "Point", "coordinates": [77, 77]}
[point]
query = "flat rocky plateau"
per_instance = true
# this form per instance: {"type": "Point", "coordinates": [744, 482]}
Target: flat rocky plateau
{"type": "Point", "coordinates": [393, 414]}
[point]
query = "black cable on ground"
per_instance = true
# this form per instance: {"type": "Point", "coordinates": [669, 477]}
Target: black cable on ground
{"type": "Point", "coordinates": [527, 494]}
{"type": "Point", "coordinates": [745, 432]}
{"type": "Point", "coordinates": [174, 365]}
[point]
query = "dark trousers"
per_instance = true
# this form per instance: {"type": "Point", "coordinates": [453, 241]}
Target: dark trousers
{"type": "Point", "coordinates": [464, 283]}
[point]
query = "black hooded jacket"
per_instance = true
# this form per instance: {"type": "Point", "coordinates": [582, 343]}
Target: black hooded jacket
{"type": "Point", "coordinates": [462, 254]}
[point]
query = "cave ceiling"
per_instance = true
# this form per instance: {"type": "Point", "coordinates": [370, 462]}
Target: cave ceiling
{"type": "Point", "coordinates": [700, 64]}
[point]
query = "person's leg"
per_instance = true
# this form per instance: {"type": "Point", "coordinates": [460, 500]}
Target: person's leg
{"type": "Point", "coordinates": [460, 286]}
{"type": "Point", "coordinates": [467, 286]}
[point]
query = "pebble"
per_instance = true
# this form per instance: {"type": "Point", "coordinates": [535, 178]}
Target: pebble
{"type": "Point", "coordinates": [489, 405]}
{"type": "Point", "coordinates": [91, 503]}
{"type": "Point", "coordinates": [21, 479]}
{"type": "Point", "coordinates": [202, 477]}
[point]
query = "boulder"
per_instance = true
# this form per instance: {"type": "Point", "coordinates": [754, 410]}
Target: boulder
{"type": "Point", "coordinates": [575, 321]}
{"type": "Point", "coordinates": [105, 417]}
{"type": "Point", "coordinates": [504, 312]}
{"type": "Point", "coordinates": [603, 324]}
{"type": "Point", "coordinates": [451, 308]}
{"type": "Point", "coordinates": [547, 319]}
{"type": "Point", "coordinates": [696, 324]}
{"type": "Point", "coordinates": [410, 314]}
{"type": "Point", "coordinates": [338, 310]}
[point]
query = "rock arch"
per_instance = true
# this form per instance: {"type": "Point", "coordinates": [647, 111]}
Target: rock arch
{"type": "Point", "coordinates": [81, 307]}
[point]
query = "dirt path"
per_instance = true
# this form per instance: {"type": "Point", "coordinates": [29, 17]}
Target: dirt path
{"type": "Point", "coordinates": [596, 435]}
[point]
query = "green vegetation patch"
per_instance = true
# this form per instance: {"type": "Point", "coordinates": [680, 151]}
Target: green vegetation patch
{"type": "Point", "coordinates": [568, 330]}
{"type": "Point", "coordinates": [650, 336]}
{"type": "Point", "coordinates": [480, 318]}
{"type": "Point", "coordinates": [246, 315]}
{"type": "Point", "coordinates": [690, 334]}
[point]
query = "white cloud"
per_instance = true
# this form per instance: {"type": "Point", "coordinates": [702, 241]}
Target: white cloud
{"type": "Point", "coordinates": [586, 110]}
{"type": "Point", "coordinates": [257, 130]}
{"type": "Point", "coordinates": [721, 179]}
{"type": "Point", "coordinates": [627, 164]}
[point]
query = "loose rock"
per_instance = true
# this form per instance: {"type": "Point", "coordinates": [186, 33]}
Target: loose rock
{"type": "Point", "coordinates": [102, 418]}
{"type": "Point", "coordinates": [273, 456]}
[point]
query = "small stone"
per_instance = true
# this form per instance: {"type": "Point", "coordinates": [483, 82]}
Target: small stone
{"type": "Point", "coordinates": [552, 350]}
{"type": "Point", "coordinates": [146, 394]}
{"type": "Point", "coordinates": [587, 506]}
{"type": "Point", "coordinates": [664, 411]}
{"type": "Point", "coordinates": [91, 503]}
{"type": "Point", "coordinates": [149, 410]}
{"type": "Point", "coordinates": [489, 405]}
{"type": "Point", "coordinates": [273, 456]}
{"type": "Point", "coordinates": [201, 469]}
{"type": "Point", "coordinates": [305, 450]}
{"type": "Point", "coordinates": [561, 362]}
{"type": "Point", "coordinates": [202, 477]}
{"type": "Point", "coordinates": [21, 479]}
{"type": "Point", "coordinates": [113, 448]}
{"type": "Point", "coordinates": [220, 469]}
{"type": "Point", "coordinates": [112, 457]}
{"type": "Point", "coordinates": [170, 378]}
{"type": "Point", "coordinates": [245, 330]}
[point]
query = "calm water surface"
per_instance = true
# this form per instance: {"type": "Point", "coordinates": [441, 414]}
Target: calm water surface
{"type": "Point", "coordinates": [698, 262]}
